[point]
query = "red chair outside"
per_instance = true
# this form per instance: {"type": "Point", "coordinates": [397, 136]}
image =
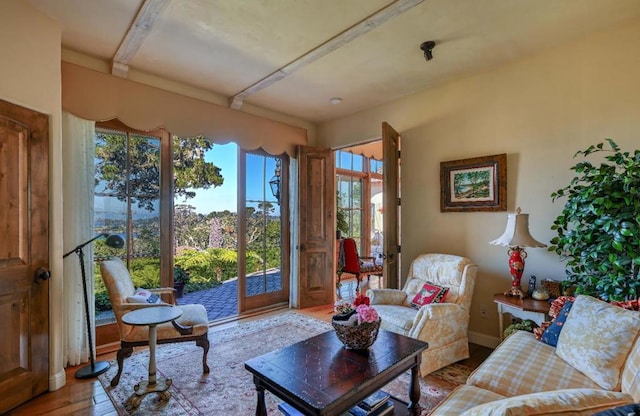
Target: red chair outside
{"type": "Point", "coordinates": [350, 262]}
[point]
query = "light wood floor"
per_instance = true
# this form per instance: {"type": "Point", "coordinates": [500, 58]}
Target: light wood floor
{"type": "Point", "coordinates": [87, 397]}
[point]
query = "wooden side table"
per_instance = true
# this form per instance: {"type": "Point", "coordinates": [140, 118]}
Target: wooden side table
{"type": "Point", "coordinates": [151, 317]}
{"type": "Point", "coordinates": [527, 308]}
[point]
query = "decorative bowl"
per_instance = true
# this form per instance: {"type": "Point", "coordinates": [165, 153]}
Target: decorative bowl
{"type": "Point", "coordinates": [359, 337]}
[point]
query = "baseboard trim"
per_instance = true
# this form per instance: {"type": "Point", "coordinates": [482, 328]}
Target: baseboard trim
{"type": "Point", "coordinates": [483, 339]}
{"type": "Point", "coordinates": [57, 381]}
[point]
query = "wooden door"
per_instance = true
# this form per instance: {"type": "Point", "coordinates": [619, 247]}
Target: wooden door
{"type": "Point", "coordinates": [24, 255]}
{"type": "Point", "coordinates": [392, 212]}
{"type": "Point", "coordinates": [317, 202]}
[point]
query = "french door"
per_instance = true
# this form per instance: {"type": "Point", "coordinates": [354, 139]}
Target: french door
{"type": "Point", "coordinates": [263, 230]}
{"type": "Point", "coordinates": [392, 205]}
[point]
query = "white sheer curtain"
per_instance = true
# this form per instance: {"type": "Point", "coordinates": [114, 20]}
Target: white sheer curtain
{"type": "Point", "coordinates": [78, 190]}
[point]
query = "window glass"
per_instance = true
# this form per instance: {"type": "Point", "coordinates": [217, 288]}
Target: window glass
{"type": "Point", "coordinates": [350, 205]}
{"type": "Point", "coordinates": [357, 163]}
{"type": "Point", "coordinates": [263, 225]}
{"type": "Point", "coordinates": [376, 166]}
{"type": "Point", "coordinates": [127, 202]}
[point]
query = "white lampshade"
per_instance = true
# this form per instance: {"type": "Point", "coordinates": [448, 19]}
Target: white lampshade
{"type": "Point", "coordinates": [517, 233]}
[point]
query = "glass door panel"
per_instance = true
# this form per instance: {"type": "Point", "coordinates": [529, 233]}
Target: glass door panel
{"type": "Point", "coordinates": [265, 279]}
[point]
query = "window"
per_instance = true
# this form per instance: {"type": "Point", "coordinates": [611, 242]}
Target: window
{"type": "Point", "coordinates": [350, 206]}
{"type": "Point", "coordinates": [359, 200]}
{"type": "Point", "coordinates": [128, 191]}
{"type": "Point", "coordinates": [158, 193]}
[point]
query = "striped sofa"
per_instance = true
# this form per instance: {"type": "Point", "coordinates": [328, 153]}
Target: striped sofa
{"type": "Point", "coordinates": [594, 367]}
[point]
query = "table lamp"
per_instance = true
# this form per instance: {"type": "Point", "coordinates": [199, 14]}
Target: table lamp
{"type": "Point", "coordinates": [517, 237]}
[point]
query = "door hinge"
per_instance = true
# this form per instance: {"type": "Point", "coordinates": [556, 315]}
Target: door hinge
{"type": "Point", "coordinates": [398, 154]}
{"type": "Point", "coordinates": [399, 201]}
{"type": "Point", "coordinates": [399, 249]}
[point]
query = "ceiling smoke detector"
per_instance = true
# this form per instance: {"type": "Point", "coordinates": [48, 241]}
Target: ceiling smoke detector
{"type": "Point", "coordinates": [427, 47]}
{"type": "Point", "coordinates": [335, 100]}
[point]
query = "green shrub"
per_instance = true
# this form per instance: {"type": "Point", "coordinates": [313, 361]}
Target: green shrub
{"type": "Point", "coordinates": [525, 325]}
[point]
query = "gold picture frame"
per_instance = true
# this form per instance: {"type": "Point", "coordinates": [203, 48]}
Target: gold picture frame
{"type": "Point", "coordinates": [475, 184]}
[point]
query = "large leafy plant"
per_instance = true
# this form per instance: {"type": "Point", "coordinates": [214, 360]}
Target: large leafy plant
{"type": "Point", "coordinates": [599, 227]}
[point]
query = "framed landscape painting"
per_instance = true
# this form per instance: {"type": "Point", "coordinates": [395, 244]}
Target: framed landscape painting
{"type": "Point", "coordinates": [476, 184]}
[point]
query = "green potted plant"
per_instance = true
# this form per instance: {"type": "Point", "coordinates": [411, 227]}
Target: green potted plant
{"type": "Point", "coordinates": [180, 279]}
{"type": "Point", "coordinates": [599, 226]}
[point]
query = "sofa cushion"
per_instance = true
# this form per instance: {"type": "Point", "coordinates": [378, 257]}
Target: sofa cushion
{"type": "Point", "coordinates": [552, 332]}
{"type": "Point", "coordinates": [443, 270]}
{"type": "Point", "coordinates": [522, 365]}
{"type": "Point", "coordinates": [631, 373]}
{"type": "Point", "coordinates": [569, 402]}
{"type": "Point", "coordinates": [597, 338]}
{"type": "Point", "coordinates": [396, 318]}
{"type": "Point", "coordinates": [429, 293]}
{"type": "Point", "coordinates": [463, 398]}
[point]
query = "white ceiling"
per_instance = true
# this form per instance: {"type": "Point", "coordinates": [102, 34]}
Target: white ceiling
{"type": "Point", "coordinates": [226, 46]}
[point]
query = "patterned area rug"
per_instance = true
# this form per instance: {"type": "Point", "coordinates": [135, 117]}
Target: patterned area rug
{"type": "Point", "coordinates": [228, 389]}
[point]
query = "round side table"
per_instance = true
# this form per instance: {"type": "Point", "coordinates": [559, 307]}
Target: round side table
{"type": "Point", "coordinates": [151, 317]}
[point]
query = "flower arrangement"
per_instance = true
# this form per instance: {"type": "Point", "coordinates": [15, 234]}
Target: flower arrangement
{"type": "Point", "coordinates": [356, 323]}
{"type": "Point", "coordinates": [356, 313]}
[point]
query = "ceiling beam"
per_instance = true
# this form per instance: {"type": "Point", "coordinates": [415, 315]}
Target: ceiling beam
{"type": "Point", "coordinates": [369, 23]}
{"type": "Point", "coordinates": [141, 27]}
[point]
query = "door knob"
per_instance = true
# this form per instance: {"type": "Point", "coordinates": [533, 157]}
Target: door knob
{"type": "Point", "coordinates": [43, 274]}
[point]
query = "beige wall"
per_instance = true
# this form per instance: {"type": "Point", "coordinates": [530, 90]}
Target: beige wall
{"type": "Point", "coordinates": [539, 111]}
{"type": "Point", "coordinates": [30, 77]}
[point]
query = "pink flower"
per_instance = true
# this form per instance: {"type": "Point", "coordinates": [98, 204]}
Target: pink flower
{"type": "Point", "coordinates": [366, 314]}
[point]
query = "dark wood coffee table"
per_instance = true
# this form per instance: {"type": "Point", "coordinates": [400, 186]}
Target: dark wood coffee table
{"type": "Point", "coordinates": [318, 376]}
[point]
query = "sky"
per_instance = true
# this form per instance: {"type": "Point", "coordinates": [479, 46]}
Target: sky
{"type": "Point", "coordinates": [222, 197]}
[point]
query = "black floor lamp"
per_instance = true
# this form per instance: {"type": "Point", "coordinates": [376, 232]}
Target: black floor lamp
{"type": "Point", "coordinates": [96, 367]}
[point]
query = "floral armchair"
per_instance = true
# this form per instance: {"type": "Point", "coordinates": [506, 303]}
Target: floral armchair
{"type": "Point", "coordinates": [443, 325]}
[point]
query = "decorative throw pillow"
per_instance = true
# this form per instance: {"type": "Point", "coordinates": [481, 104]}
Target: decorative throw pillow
{"type": "Point", "coordinates": [551, 334]}
{"type": "Point", "coordinates": [143, 296]}
{"type": "Point", "coordinates": [558, 303]}
{"type": "Point", "coordinates": [429, 293]}
{"type": "Point", "coordinates": [565, 402]}
{"type": "Point", "coordinates": [597, 338]}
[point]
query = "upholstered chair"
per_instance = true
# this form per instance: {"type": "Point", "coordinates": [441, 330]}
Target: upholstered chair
{"type": "Point", "coordinates": [193, 325]}
{"type": "Point", "coordinates": [443, 325]}
{"type": "Point", "coordinates": [349, 261]}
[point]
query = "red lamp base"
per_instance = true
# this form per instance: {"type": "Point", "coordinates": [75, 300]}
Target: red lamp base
{"type": "Point", "coordinates": [516, 267]}
{"type": "Point", "coordinates": [516, 292]}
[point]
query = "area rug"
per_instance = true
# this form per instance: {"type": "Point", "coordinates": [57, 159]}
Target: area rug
{"type": "Point", "coordinates": [228, 389]}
